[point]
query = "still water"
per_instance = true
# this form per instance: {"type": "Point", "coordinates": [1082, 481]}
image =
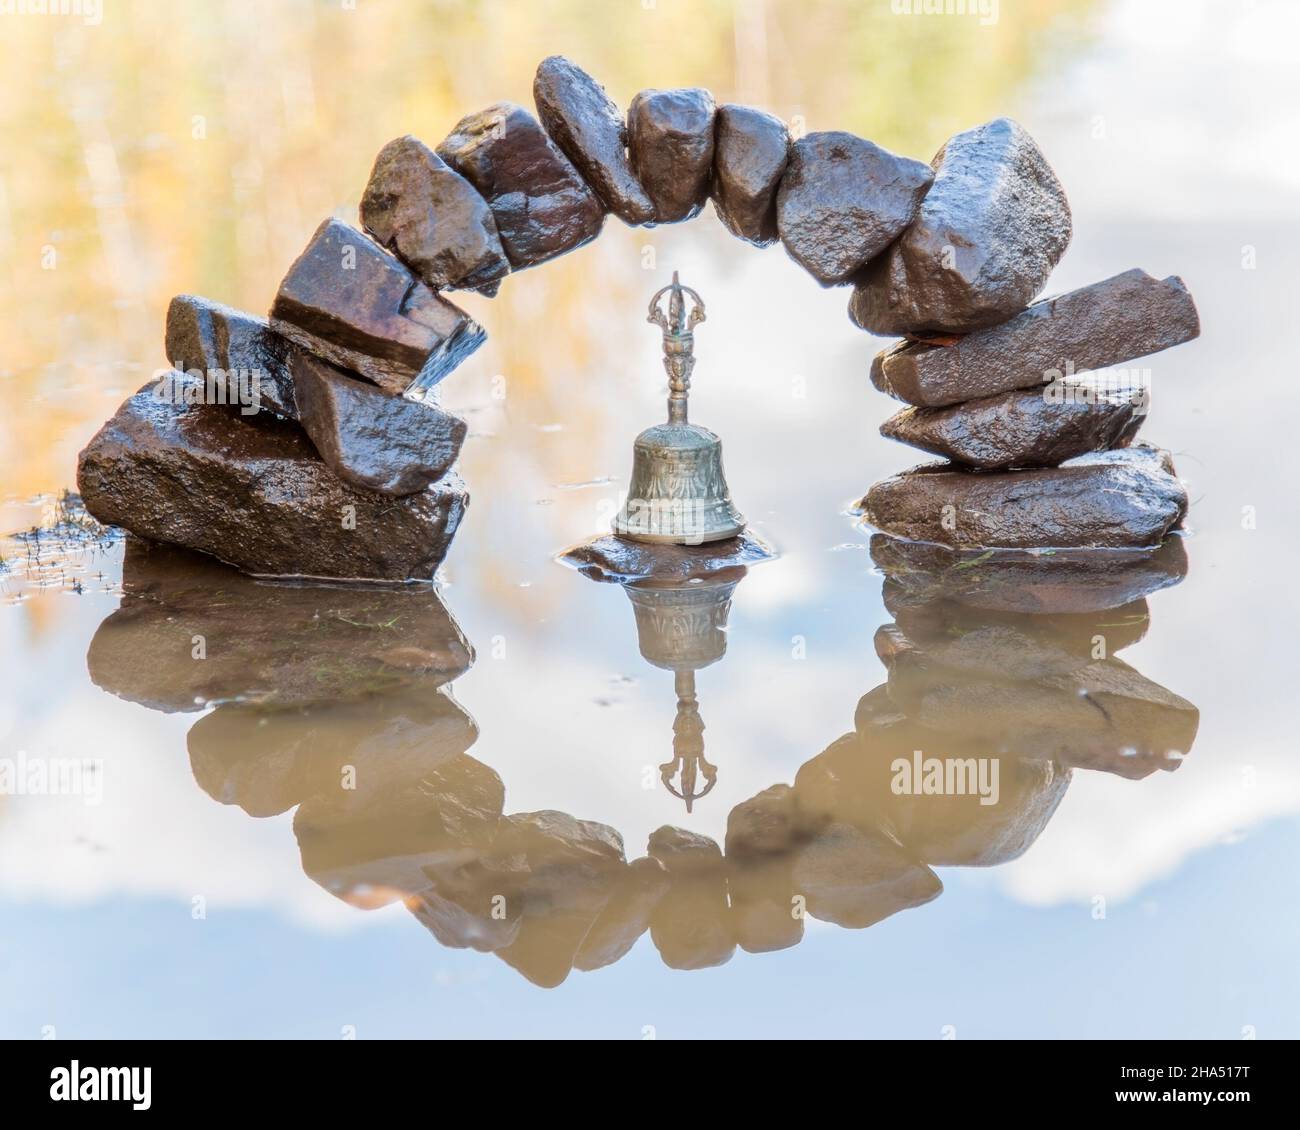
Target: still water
{"type": "Point", "coordinates": [214, 874]}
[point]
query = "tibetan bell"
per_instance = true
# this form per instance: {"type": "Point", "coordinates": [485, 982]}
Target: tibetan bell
{"type": "Point", "coordinates": [678, 492]}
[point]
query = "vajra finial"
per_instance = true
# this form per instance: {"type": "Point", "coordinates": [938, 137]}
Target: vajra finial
{"type": "Point", "coordinates": [679, 342]}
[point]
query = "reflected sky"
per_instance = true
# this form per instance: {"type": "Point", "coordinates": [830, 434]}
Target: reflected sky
{"type": "Point", "coordinates": [1164, 130]}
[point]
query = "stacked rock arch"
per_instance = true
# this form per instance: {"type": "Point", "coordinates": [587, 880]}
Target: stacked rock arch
{"type": "Point", "coordinates": [340, 434]}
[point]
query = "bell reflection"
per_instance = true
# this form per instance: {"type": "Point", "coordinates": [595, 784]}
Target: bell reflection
{"type": "Point", "coordinates": [683, 628]}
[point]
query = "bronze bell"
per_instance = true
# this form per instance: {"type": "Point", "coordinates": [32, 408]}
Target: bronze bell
{"type": "Point", "coordinates": [681, 628]}
{"type": "Point", "coordinates": [678, 493]}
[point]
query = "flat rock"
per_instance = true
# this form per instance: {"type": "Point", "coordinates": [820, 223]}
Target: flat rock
{"type": "Point", "coordinates": [670, 143]}
{"type": "Point", "coordinates": [993, 225]}
{"type": "Point", "coordinates": [751, 149]}
{"type": "Point", "coordinates": [350, 302]}
{"type": "Point", "coordinates": [432, 218]}
{"type": "Point", "coordinates": [239, 351]}
{"type": "Point", "coordinates": [1127, 499]}
{"type": "Point", "coordinates": [626, 916]}
{"type": "Point", "coordinates": [855, 877]}
{"type": "Point", "coordinates": [1074, 581]}
{"type": "Point", "coordinates": [541, 205]}
{"type": "Point", "coordinates": [254, 492]}
{"type": "Point", "coordinates": [619, 560]}
{"type": "Point", "coordinates": [390, 444]}
{"type": "Point", "coordinates": [843, 200]}
{"type": "Point", "coordinates": [1026, 428]}
{"type": "Point", "coordinates": [1107, 323]}
{"type": "Point", "coordinates": [588, 127]}
{"type": "Point", "coordinates": [271, 644]}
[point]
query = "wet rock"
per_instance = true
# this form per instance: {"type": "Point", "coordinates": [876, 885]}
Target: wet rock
{"type": "Point", "coordinates": [750, 153]}
{"type": "Point", "coordinates": [255, 493]}
{"type": "Point", "coordinates": [1065, 581]}
{"type": "Point", "coordinates": [1107, 323]}
{"type": "Point", "coordinates": [626, 916]}
{"type": "Point", "coordinates": [269, 644]}
{"type": "Point", "coordinates": [670, 143]}
{"type": "Point", "coordinates": [1031, 428]}
{"type": "Point", "coordinates": [252, 360]}
{"type": "Point", "coordinates": [993, 225]}
{"type": "Point", "coordinates": [765, 915]}
{"type": "Point", "coordinates": [348, 301]}
{"type": "Point", "coordinates": [266, 759]}
{"type": "Point", "coordinates": [691, 927]}
{"type": "Point", "coordinates": [541, 205]}
{"type": "Point", "coordinates": [377, 844]}
{"type": "Point", "coordinates": [619, 560]}
{"type": "Point", "coordinates": [843, 200]}
{"type": "Point", "coordinates": [856, 878]}
{"type": "Point", "coordinates": [588, 127]}
{"type": "Point", "coordinates": [390, 444]}
{"type": "Point", "coordinates": [1012, 645]}
{"type": "Point", "coordinates": [456, 927]}
{"type": "Point", "coordinates": [763, 825]}
{"type": "Point", "coordinates": [432, 218]}
{"type": "Point", "coordinates": [1127, 501]}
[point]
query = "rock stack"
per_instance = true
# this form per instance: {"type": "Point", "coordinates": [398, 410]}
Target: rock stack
{"type": "Point", "coordinates": [309, 444]}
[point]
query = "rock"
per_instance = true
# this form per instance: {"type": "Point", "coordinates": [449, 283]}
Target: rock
{"type": "Point", "coordinates": [1119, 503]}
{"type": "Point", "coordinates": [1116, 320]}
{"type": "Point", "coordinates": [670, 143]}
{"type": "Point", "coordinates": [266, 644]}
{"type": "Point", "coordinates": [253, 492]}
{"type": "Point", "coordinates": [618, 560]}
{"type": "Point", "coordinates": [1031, 428]}
{"type": "Point", "coordinates": [857, 878]}
{"type": "Point", "coordinates": [252, 360]}
{"type": "Point", "coordinates": [626, 916]}
{"type": "Point", "coordinates": [750, 152]}
{"type": "Point", "coordinates": [1067, 581]}
{"type": "Point", "coordinates": [458, 928]}
{"type": "Point", "coordinates": [1011, 645]}
{"type": "Point", "coordinates": [993, 225]}
{"type": "Point", "coordinates": [376, 844]}
{"type": "Point", "coordinates": [541, 205]}
{"type": "Point", "coordinates": [588, 127]}
{"type": "Point", "coordinates": [390, 444]}
{"type": "Point", "coordinates": [764, 914]}
{"type": "Point", "coordinates": [348, 301]}
{"type": "Point", "coordinates": [843, 200]}
{"type": "Point", "coordinates": [432, 218]}
{"type": "Point", "coordinates": [691, 927]}
{"type": "Point", "coordinates": [764, 825]}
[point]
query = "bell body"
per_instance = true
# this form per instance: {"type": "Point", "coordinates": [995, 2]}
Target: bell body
{"type": "Point", "coordinates": [678, 494]}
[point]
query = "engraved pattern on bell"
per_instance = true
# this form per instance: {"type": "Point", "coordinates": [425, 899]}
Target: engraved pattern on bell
{"type": "Point", "coordinates": [678, 492]}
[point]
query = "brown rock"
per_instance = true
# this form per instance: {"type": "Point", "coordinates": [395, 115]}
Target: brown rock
{"type": "Point", "coordinates": [255, 493]}
{"type": "Point", "coordinates": [993, 225]}
{"type": "Point", "coordinates": [750, 153]}
{"type": "Point", "coordinates": [272, 645]}
{"type": "Point", "coordinates": [541, 205]}
{"type": "Point", "coordinates": [764, 825]}
{"type": "Point", "coordinates": [432, 218]}
{"type": "Point", "coordinates": [237, 350]}
{"type": "Point", "coordinates": [856, 878]}
{"type": "Point", "coordinates": [691, 927]}
{"type": "Point", "coordinates": [764, 913]}
{"type": "Point", "coordinates": [1031, 428]}
{"type": "Point", "coordinates": [1116, 320]}
{"type": "Point", "coordinates": [348, 301]}
{"type": "Point", "coordinates": [670, 143]}
{"type": "Point", "coordinates": [626, 916]}
{"type": "Point", "coordinates": [1126, 500]}
{"type": "Point", "coordinates": [1067, 581]}
{"type": "Point", "coordinates": [390, 444]}
{"type": "Point", "coordinates": [843, 200]}
{"type": "Point", "coordinates": [586, 124]}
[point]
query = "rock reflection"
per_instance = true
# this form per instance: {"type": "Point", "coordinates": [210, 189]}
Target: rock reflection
{"type": "Point", "coordinates": [337, 703]}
